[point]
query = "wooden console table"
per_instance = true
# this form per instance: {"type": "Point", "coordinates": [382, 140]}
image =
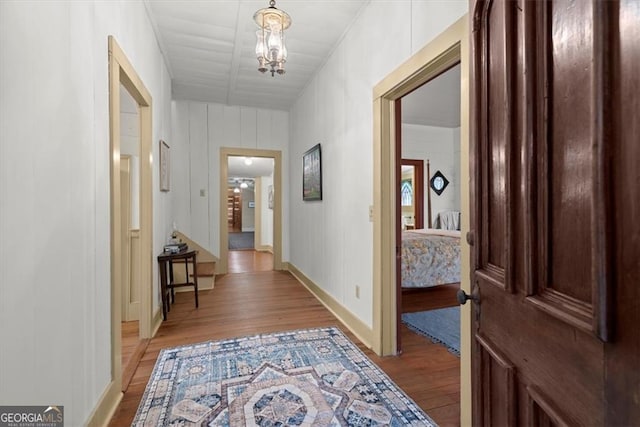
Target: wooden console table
{"type": "Point", "coordinates": [167, 283]}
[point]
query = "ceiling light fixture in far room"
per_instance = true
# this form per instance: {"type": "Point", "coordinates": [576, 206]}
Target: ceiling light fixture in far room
{"type": "Point", "coordinates": [248, 161]}
{"type": "Point", "coordinates": [270, 47]}
{"type": "Point", "coordinates": [236, 190]}
{"type": "Point", "coordinates": [244, 185]}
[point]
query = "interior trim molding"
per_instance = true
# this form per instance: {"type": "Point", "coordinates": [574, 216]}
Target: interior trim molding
{"type": "Point", "coordinates": [353, 323]}
{"type": "Point", "coordinates": [156, 322]}
{"type": "Point", "coordinates": [444, 51]}
{"type": "Point", "coordinates": [122, 72]}
{"type": "Point", "coordinates": [107, 405]}
{"type": "Point", "coordinates": [222, 266]}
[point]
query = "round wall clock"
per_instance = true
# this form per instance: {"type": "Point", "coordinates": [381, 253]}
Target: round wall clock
{"type": "Point", "coordinates": [438, 182]}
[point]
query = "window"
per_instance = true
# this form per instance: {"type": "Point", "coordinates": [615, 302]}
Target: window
{"type": "Point", "coordinates": [406, 193]}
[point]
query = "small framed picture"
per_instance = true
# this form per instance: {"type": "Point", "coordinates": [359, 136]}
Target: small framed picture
{"type": "Point", "coordinates": [270, 197]}
{"type": "Point", "coordinates": [312, 174]}
{"type": "Point", "coordinates": [164, 166]}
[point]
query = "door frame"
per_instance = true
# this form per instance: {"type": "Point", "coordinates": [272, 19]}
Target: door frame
{"type": "Point", "coordinates": [122, 72]}
{"type": "Point", "coordinates": [222, 266]}
{"type": "Point", "coordinates": [447, 49]}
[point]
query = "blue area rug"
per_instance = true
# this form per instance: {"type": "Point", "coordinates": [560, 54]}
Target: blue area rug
{"type": "Point", "coordinates": [312, 377]}
{"type": "Point", "coordinates": [440, 326]}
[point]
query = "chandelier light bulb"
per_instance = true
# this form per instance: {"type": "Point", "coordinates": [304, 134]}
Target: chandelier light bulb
{"type": "Point", "coordinates": [271, 51]}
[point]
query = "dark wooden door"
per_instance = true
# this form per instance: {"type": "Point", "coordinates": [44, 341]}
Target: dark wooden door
{"type": "Point", "coordinates": [555, 137]}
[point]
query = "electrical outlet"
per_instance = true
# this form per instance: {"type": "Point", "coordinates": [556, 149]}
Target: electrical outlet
{"type": "Point", "coordinates": [202, 192]}
{"type": "Point", "coordinates": [357, 291]}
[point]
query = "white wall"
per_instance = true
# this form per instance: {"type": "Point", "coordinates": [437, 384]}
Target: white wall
{"type": "Point", "coordinates": [266, 214]}
{"type": "Point", "coordinates": [54, 193]}
{"type": "Point", "coordinates": [200, 130]}
{"type": "Point", "coordinates": [248, 214]}
{"type": "Point", "coordinates": [130, 144]}
{"type": "Point", "coordinates": [456, 167]}
{"type": "Point", "coordinates": [331, 240]}
{"type": "Point", "coordinates": [438, 145]}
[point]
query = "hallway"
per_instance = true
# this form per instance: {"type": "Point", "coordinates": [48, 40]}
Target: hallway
{"type": "Point", "coordinates": [270, 301]}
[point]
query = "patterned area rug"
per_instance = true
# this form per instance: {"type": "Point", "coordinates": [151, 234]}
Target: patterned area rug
{"type": "Point", "coordinates": [312, 377]}
{"type": "Point", "coordinates": [440, 326]}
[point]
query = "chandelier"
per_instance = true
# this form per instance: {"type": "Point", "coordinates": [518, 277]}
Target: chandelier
{"type": "Point", "coordinates": [270, 48]}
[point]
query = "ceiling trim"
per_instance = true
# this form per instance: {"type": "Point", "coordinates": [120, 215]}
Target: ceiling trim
{"type": "Point", "coordinates": [159, 39]}
{"type": "Point", "coordinates": [235, 58]}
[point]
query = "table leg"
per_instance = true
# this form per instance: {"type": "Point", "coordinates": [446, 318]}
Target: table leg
{"type": "Point", "coordinates": [171, 281]}
{"type": "Point", "coordinates": [163, 288]}
{"type": "Point", "coordinates": [195, 278]}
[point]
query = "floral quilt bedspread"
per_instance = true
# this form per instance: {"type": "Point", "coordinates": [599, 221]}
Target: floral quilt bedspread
{"type": "Point", "coordinates": [430, 258]}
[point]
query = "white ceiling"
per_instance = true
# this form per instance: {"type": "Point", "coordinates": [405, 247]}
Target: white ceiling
{"type": "Point", "coordinates": [209, 48]}
{"type": "Point", "coordinates": [436, 103]}
{"type": "Point", "coordinates": [260, 166]}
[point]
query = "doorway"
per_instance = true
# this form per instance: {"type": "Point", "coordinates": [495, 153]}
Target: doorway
{"type": "Point", "coordinates": [129, 106]}
{"type": "Point", "coordinates": [133, 345]}
{"type": "Point", "coordinates": [256, 175]}
{"type": "Point", "coordinates": [446, 50]}
{"type": "Point", "coordinates": [427, 123]}
{"type": "Point", "coordinates": [249, 214]}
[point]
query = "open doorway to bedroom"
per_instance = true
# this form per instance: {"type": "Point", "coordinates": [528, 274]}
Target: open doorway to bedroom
{"type": "Point", "coordinates": [428, 210]}
{"type": "Point", "coordinates": [449, 48]}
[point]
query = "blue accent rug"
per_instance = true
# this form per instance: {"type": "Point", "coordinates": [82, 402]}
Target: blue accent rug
{"type": "Point", "coordinates": [440, 326]}
{"type": "Point", "coordinates": [312, 377]}
{"type": "Point", "coordinates": [241, 240]}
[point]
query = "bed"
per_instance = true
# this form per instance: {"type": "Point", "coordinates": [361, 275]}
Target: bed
{"type": "Point", "coordinates": [430, 257]}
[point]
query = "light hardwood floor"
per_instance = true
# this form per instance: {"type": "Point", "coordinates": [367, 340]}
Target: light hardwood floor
{"type": "Point", "coordinates": [247, 261]}
{"type": "Point", "coordinates": [270, 301]}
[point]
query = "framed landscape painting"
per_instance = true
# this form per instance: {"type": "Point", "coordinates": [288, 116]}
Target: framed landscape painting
{"type": "Point", "coordinates": [312, 174]}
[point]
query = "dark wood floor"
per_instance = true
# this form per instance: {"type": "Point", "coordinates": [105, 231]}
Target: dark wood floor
{"type": "Point", "coordinates": [429, 298]}
{"type": "Point", "coordinates": [270, 301]}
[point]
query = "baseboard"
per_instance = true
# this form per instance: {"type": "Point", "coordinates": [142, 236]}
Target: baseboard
{"type": "Point", "coordinates": [106, 407]}
{"type": "Point", "coordinates": [130, 368]}
{"type": "Point", "coordinates": [156, 322]}
{"type": "Point", "coordinates": [354, 324]}
{"type": "Point", "coordinates": [264, 248]}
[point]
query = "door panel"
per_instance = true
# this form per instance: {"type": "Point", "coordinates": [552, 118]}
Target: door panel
{"type": "Point", "coordinates": [498, 385]}
{"type": "Point", "coordinates": [555, 103]}
{"type": "Point", "coordinates": [494, 143]}
{"type": "Point", "coordinates": [563, 118]}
